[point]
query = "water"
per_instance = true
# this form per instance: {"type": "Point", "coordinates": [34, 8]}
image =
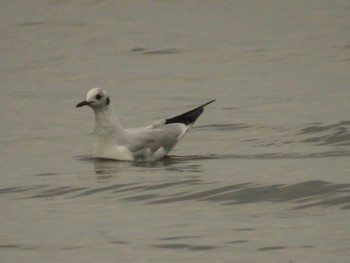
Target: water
{"type": "Point", "coordinates": [262, 177]}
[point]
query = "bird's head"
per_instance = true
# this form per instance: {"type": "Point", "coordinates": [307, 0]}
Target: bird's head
{"type": "Point", "coordinates": [95, 98]}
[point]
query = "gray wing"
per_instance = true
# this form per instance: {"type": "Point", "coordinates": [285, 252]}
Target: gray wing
{"type": "Point", "coordinates": [150, 139]}
{"type": "Point", "coordinates": [164, 133]}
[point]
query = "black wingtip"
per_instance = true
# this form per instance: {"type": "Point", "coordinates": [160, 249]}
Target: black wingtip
{"type": "Point", "coordinates": [189, 117]}
{"type": "Point", "coordinates": [205, 104]}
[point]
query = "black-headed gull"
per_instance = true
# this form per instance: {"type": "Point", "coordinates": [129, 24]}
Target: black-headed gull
{"type": "Point", "coordinates": [149, 143]}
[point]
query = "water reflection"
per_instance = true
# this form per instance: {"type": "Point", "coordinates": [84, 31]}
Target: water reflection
{"type": "Point", "coordinates": [186, 163]}
{"type": "Point", "coordinates": [170, 163]}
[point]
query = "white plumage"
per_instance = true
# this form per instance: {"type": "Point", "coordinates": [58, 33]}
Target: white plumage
{"type": "Point", "coordinates": [147, 143]}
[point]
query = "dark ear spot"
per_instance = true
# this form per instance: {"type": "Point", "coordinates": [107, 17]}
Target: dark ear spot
{"type": "Point", "coordinates": [108, 101]}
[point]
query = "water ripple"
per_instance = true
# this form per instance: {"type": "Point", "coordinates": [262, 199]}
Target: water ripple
{"type": "Point", "coordinates": [314, 193]}
{"type": "Point", "coordinates": [324, 154]}
{"type": "Point", "coordinates": [333, 134]}
{"type": "Point", "coordinates": [301, 195]}
{"type": "Point", "coordinates": [186, 246]}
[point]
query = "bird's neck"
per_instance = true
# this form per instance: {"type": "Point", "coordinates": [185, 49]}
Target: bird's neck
{"type": "Point", "coordinates": [107, 124]}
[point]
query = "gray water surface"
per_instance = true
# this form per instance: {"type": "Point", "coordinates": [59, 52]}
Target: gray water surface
{"type": "Point", "coordinates": [263, 176]}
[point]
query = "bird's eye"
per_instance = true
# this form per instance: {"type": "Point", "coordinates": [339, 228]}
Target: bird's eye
{"type": "Point", "coordinates": [98, 96]}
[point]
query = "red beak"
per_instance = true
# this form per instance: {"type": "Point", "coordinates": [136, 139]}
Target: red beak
{"type": "Point", "coordinates": [83, 103]}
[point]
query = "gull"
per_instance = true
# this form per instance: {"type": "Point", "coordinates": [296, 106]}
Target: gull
{"type": "Point", "coordinates": [149, 143]}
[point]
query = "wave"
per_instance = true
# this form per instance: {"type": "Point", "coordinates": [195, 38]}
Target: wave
{"type": "Point", "coordinates": [302, 195]}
